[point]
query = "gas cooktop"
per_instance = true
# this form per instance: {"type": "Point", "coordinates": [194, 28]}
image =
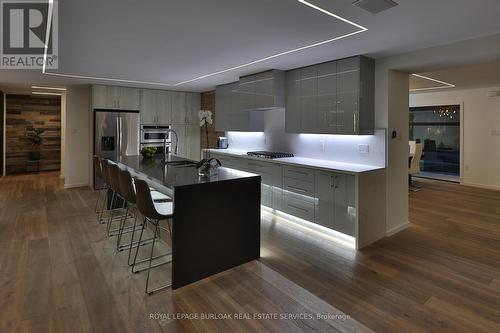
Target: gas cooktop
{"type": "Point", "coordinates": [269, 154]}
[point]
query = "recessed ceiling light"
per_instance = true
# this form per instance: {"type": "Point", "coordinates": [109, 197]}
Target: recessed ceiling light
{"type": "Point", "coordinates": [307, 3]}
{"type": "Point", "coordinates": [444, 84]}
{"type": "Point", "coordinates": [374, 6]}
{"type": "Point", "coordinates": [48, 88]}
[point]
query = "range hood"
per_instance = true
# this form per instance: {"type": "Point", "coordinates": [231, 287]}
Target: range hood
{"type": "Point", "coordinates": [262, 91]}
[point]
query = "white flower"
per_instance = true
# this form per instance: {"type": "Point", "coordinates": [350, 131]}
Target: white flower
{"type": "Point", "coordinates": [205, 117]}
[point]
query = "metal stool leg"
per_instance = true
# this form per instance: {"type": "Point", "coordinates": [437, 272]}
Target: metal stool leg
{"type": "Point", "coordinates": [149, 292]}
{"type": "Point", "coordinates": [137, 249]}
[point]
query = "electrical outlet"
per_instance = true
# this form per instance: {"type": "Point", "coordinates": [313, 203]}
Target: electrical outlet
{"type": "Point", "coordinates": [363, 148]}
{"type": "Point", "coordinates": [322, 145]}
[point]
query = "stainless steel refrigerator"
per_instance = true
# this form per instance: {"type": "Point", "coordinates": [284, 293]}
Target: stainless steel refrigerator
{"type": "Point", "coordinates": [115, 134]}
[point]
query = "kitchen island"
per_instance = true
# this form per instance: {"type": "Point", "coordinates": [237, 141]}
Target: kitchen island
{"type": "Point", "coordinates": [216, 220]}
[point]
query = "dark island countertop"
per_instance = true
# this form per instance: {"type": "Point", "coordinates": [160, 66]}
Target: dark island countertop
{"type": "Point", "coordinates": [171, 174]}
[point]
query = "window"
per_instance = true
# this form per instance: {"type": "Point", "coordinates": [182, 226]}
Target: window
{"type": "Point", "coordinates": [438, 129]}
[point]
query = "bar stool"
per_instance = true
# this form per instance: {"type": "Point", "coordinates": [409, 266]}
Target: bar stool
{"type": "Point", "coordinates": [107, 204]}
{"type": "Point", "coordinates": [114, 180]}
{"type": "Point", "coordinates": [154, 213]}
{"type": "Point", "coordinates": [128, 194]}
{"type": "Point", "coordinates": [98, 173]}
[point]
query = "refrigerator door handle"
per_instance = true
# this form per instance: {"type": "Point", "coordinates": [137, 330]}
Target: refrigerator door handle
{"type": "Point", "coordinates": [121, 135]}
{"type": "Point", "coordinates": [118, 136]}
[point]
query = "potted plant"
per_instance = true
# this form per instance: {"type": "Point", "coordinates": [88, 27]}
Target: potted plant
{"type": "Point", "coordinates": [207, 166]}
{"type": "Point", "coordinates": [35, 135]}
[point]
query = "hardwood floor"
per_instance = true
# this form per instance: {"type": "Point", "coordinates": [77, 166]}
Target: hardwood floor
{"type": "Point", "coordinates": [59, 273]}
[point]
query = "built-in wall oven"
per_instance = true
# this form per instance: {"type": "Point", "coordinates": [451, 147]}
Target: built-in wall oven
{"type": "Point", "coordinates": [154, 136]}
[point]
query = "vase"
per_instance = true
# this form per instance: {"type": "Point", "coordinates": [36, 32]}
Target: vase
{"type": "Point", "coordinates": [208, 170]}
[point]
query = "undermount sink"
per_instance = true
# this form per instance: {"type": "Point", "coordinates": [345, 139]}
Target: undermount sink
{"type": "Point", "coordinates": [183, 164]}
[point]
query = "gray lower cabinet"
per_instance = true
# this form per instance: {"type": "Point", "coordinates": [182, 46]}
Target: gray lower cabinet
{"type": "Point", "coordinates": [193, 142]}
{"type": "Point", "coordinates": [324, 198]}
{"type": "Point", "coordinates": [335, 207]}
{"type": "Point", "coordinates": [335, 97]}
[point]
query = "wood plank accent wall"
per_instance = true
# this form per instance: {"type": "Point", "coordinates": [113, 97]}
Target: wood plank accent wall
{"type": "Point", "coordinates": [208, 103]}
{"type": "Point", "coordinates": [25, 111]}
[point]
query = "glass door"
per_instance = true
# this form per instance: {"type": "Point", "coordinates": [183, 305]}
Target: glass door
{"type": "Point", "coordinates": [437, 128]}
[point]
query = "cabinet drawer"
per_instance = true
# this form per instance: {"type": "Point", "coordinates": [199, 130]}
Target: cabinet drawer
{"type": "Point", "coordinates": [266, 197]}
{"type": "Point", "coordinates": [303, 174]}
{"type": "Point", "coordinates": [300, 187]}
{"type": "Point", "coordinates": [299, 208]}
{"type": "Point", "coordinates": [261, 167]}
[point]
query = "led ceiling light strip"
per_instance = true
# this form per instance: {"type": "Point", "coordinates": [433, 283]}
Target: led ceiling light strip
{"type": "Point", "coordinates": [304, 2]}
{"type": "Point", "coordinates": [45, 93]}
{"type": "Point", "coordinates": [444, 84]}
{"type": "Point", "coordinates": [48, 88]}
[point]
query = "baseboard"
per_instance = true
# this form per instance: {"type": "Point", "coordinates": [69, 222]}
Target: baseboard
{"type": "Point", "coordinates": [397, 229]}
{"type": "Point", "coordinates": [67, 186]}
{"type": "Point", "coordinates": [488, 187]}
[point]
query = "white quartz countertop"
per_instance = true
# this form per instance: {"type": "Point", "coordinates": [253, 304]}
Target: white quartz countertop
{"type": "Point", "coordinates": [305, 162]}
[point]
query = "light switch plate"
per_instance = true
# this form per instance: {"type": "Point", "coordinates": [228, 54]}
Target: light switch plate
{"type": "Point", "coordinates": [322, 145]}
{"type": "Point", "coordinates": [363, 148]}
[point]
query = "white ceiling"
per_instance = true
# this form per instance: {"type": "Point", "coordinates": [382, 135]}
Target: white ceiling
{"type": "Point", "coordinates": [166, 41]}
{"type": "Point", "coordinates": [464, 77]}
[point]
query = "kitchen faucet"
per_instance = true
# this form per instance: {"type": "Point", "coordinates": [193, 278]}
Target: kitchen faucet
{"type": "Point", "coordinates": [165, 144]}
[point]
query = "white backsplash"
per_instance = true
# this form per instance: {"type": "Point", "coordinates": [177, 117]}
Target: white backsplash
{"type": "Point", "coordinates": [339, 148]}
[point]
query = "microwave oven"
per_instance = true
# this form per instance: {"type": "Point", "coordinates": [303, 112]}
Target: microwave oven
{"type": "Point", "coordinates": [155, 134]}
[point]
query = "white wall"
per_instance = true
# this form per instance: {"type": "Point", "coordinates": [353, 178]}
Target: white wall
{"type": "Point", "coordinates": [77, 152]}
{"type": "Point", "coordinates": [388, 115]}
{"type": "Point", "coordinates": [339, 148]}
{"type": "Point", "coordinates": [480, 130]}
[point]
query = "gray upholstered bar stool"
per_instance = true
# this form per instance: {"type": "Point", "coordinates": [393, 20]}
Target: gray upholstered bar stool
{"type": "Point", "coordinates": [107, 205]}
{"type": "Point", "coordinates": [128, 194]}
{"type": "Point", "coordinates": [114, 181]}
{"type": "Point", "coordinates": [154, 213]}
{"type": "Point", "coordinates": [98, 172]}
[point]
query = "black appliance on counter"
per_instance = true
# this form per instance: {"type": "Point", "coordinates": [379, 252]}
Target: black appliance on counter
{"type": "Point", "coordinates": [269, 154]}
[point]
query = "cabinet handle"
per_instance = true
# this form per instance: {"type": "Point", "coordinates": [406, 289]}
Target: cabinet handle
{"type": "Point", "coordinates": [297, 189]}
{"type": "Point", "coordinates": [299, 208]}
{"type": "Point", "coordinates": [354, 121]}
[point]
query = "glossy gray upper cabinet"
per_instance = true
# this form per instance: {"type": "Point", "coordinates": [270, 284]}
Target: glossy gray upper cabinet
{"type": "Point", "coordinates": [293, 104]}
{"type": "Point", "coordinates": [326, 115]}
{"type": "Point", "coordinates": [262, 91]}
{"type": "Point", "coordinates": [309, 99]}
{"type": "Point", "coordinates": [335, 97]}
{"type": "Point", "coordinates": [229, 117]}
